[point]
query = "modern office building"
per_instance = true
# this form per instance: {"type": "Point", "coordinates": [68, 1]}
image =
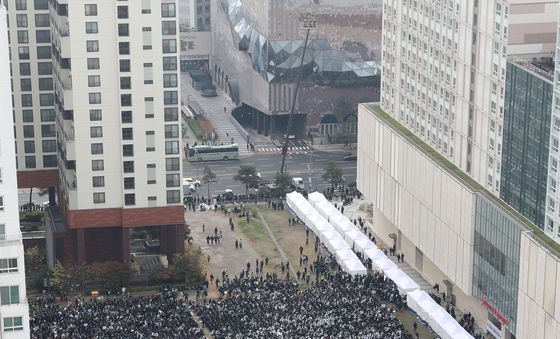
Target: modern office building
{"type": "Point", "coordinates": [14, 312]}
{"type": "Point", "coordinates": [257, 51]}
{"type": "Point", "coordinates": [444, 69]}
{"type": "Point", "coordinates": [32, 83]}
{"type": "Point", "coordinates": [526, 134]}
{"type": "Point", "coordinates": [201, 15]}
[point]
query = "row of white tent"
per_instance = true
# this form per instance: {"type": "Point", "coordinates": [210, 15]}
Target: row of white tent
{"type": "Point", "coordinates": [333, 241]}
{"type": "Point", "coordinates": [419, 301]}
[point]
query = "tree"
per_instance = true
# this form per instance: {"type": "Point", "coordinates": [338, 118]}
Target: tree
{"type": "Point", "coordinates": [33, 260]}
{"type": "Point", "coordinates": [70, 278]}
{"type": "Point", "coordinates": [208, 178]}
{"type": "Point", "coordinates": [283, 181]}
{"type": "Point", "coordinates": [112, 274]}
{"type": "Point", "coordinates": [248, 176]}
{"type": "Point", "coordinates": [333, 173]}
{"type": "Point", "coordinates": [188, 267]}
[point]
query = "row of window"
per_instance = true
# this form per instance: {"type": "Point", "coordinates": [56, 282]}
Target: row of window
{"type": "Point", "coordinates": [48, 146]}
{"type": "Point", "coordinates": [47, 115]}
{"type": "Point", "coordinates": [47, 131]}
{"type": "Point", "coordinates": [171, 131]}
{"type": "Point", "coordinates": [41, 20]}
{"type": "Point", "coordinates": [169, 98]}
{"type": "Point", "coordinates": [43, 52]}
{"type": "Point", "coordinates": [37, 4]}
{"type": "Point", "coordinates": [172, 180]}
{"type": "Point", "coordinates": [167, 45]}
{"type": "Point", "coordinates": [173, 197]}
{"type": "Point", "coordinates": [49, 161]}
{"type": "Point", "coordinates": [41, 36]}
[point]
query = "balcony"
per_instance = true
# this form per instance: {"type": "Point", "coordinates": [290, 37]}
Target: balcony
{"type": "Point", "coordinates": [10, 239]}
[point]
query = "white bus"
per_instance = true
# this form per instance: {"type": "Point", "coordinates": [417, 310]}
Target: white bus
{"type": "Point", "coordinates": [208, 153]}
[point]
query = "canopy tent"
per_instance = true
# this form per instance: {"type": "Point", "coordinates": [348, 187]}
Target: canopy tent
{"type": "Point", "coordinates": [451, 329]}
{"type": "Point", "coordinates": [404, 283]}
{"type": "Point", "coordinates": [437, 318]}
{"type": "Point", "coordinates": [326, 209]}
{"type": "Point", "coordinates": [315, 197]}
{"type": "Point", "coordinates": [336, 244]}
{"type": "Point", "coordinates": [427, 306]}
{"type": "Point", "coordinates": [314, 220]}
{"type": "Point", "coordinates": [344, 254]}
{"type": "Point", "coordinates": [383, 264]}
{"type": "Point", "coordinates": [354, 267]}
{"type": "Point", "coordinates": [362, 243]}
{"type": "Point", "coordinates": [342, 224]}
{"type": "Point", "coordinates": [328, 234]}
{"type": "Point", "coordinates": [323, 227]}
{"type": "Point", "coordinates": [374, 253]}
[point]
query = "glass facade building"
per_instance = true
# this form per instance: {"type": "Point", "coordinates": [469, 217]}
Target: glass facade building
{"type": "Point", "coordinates": [526, 132]}
{"type": "Point", "coordinates": [496, 259]}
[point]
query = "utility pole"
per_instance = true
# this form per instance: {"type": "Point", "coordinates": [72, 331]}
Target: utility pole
{"type": "Point", "coordinates": [309, 23]}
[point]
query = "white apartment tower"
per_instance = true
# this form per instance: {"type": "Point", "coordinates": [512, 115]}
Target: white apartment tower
{"type": "Point", "coordinates": [116, 92]}
{"type": "Point", "coordinates": [444, 68]}
{"type": "Point", "coordinates": [14, 313]}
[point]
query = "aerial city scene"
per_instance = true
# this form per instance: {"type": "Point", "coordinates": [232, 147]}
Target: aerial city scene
{"type": "Point", "coordinates": [280, 169]}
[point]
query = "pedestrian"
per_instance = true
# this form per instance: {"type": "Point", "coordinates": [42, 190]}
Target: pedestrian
{"type": "Point", "coordinates": [208, 257]}
{"type": "Point", "coordinates": [300, 250]}
{"type": "Point", "coordinates": [236, 244]}
{"type": "Point", "coordinates": [240, 243]}
{"type": "Point", "coordinates": [289, 221]}
{"type": "Point", "coordinates": [215, 231]}
{"type": "Point", "coordinates": [402, 257]}
{"type": "Point", "coordinates": [208, 239]}
{"type": "Point", "coordinates": [232, 226]}
{"type": "Point", "coordinates": [203, 228]}
{"type": "Point", "coordinates": [266, 261]}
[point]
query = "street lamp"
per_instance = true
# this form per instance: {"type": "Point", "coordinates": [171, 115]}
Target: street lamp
{"type": "Point", "coordinates": [309, 23]}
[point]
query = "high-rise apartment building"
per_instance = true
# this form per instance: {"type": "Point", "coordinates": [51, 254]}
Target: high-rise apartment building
{"type": "Point", "coordinates": [14, 313]}
{"type": "Point", "coordinates": [32, 84]}
{"type": "Point", "coordinates": [200, 14]}
{"type": "Point", "coordinates": [116, 92]}
{"type": "Point", "coordinates": [444, 68]}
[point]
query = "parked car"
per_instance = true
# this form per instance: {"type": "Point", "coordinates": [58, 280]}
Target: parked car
{"type": "Point", "coordinates": [350, 157]}
{"type": "Point", "coordinates": [191, 181]}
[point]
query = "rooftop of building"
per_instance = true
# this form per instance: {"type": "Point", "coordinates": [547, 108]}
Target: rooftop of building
{"type": "Point", "coordinates": [543, 66]}
{"type": "Point", "coordinates": [464, 178]}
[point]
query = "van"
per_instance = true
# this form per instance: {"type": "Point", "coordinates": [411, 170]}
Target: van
{"type": "Point", "coordinates": [297, 183]}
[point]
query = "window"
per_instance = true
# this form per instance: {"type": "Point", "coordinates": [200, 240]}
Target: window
{"type": "Point", "coordinates": [94, 80]}
{"type": "Point", "coordinates": [126, 117]}
{"type": "Point", "coordinates": [171, 131]}
{"type": "Point", "coordinates": [95, 115]}
{"type": "Point", "coordinates": [42, 20]}
{"type": "Point", "coordinates": [99, 198]}
{"type": "Point", "coordinates": [168, 28]}
{"type": "Point", "coordinates": [92, 45]}
{"type": "Point", "coordinates": [44, 52]}
{"type": "Point", "coordinates": [29, 146]}
{"type": "Point", "coordinates": [23, 37]}
{"type": "Point", "coordinates": [30, 162]}
{"type": "Point", "coordinates": [126, 100]}
{"type": "Point", "coordinates": [170, 97]}
{"type": "Point", "coordinates": [129, 199]}
{"type": "Point", "coordinates": [124, 65]}
{"type": "Point", "coordinates": [12, 324]}
{"type": "Point", "coordinates": [21, 4]}
{"type": "Point", "coordinates": [168, 10]}
{"type": "Point", "coordinates": [127, 133]}
{"type": "Point", "coordinates": [46, 99]}
{"type": "Point", "coordinates": [128, 183]}
{"type": "Point", "coordinates": [28, 131]}
{"type": "Point", "coordinates": [49, 146]}
{"type": "Point", "coordinates": [125, 83]}
{"type": "Point", "coordinates": [171, 147]}
{"type": "Point", "coordinates": [49, 161]}
{"type": "Point", "coordinates": [172, 164]}
{"type": "Point", "coordinates": [97, 148]}
{"type": "Point", "coordinates": [93, 63]}
{"type": "Point", "coordinates": [43, 36]}
{"type": "Point", "coordinates": [97, 165]}
{"type": "Point", "coordinates": [172, 180]}
{"type": "Point", "coordinates": [41, 4]}
{"type": "Point", "coordinates": [23, 53]}
{"type": "Point", "coordinates": [169, 45]}
{"type": "Point", "coordinates": [25, 85]}
{"type": "Point", "coordinates": [44, 68]}
{"type": "Point", "coordinates": [169, 63]}
{"type": "Point", "coordinates": [48, 131]}
{"type": "Point", "coordinates": [8, 265]}
{"type": "Point", "coordinates": [170, 80]}
{"type": "Point", "coordinates": [91, 27]}
{"type": "Point", "coordinates": [96, 132]}
{"type": "Point", "coordinates": [25, 68]}
{"type": "Point", "coordinates": [26, 100]}
{"type": "Point", "coordinates": [128, 166]}
{"type": "Point", "coordinates": [173, 197]}
{"type": "Point", "coordinates": [171, 114]}
{"type": "Point", "coordinates": [98, 181]}
{"type": "Point", "coordinates": [122, 12]}
{"type": "Point", "coordinates": [128, 150]}
{"type": "Point", "coordinates": [27, 115]}
{"type": "Point", "coordinates": [91, 10]}
{"type": "Point", "coordinates": [47, 115]}
{"type": "Point", "coordinates": [95, 98]}
{"type": "Point", "coordinates": [123, 30]}
{"type": "Point", "coordinates": [9, 295]}
{"type": "Point", "coordinates": [124, 48]}
{"type": "Point", "coordinates": [21, 20]}
{"type": "Point", "coordinates": [45, 84]}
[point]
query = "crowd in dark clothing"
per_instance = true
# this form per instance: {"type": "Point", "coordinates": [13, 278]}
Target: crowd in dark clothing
{"type": "Point", "coordinates": [165, 315]}
{"type": "Point", "coordinates": [338, 306]}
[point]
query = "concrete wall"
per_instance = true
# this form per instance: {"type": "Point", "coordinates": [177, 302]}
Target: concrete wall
{"type": "Point", "coordinates": [532, 28]}
{"type": "Point", "coordinates": [538, 311]}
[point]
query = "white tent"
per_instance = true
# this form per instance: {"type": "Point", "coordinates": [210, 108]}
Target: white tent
{"type": "Point", "coordinates": [383, 264]}
{"type": "Point", "coordinates": [362, 243]}
{"type": "Point", "coordinates": [326, 209]}
{"type": "Point", "coordinates": [374, 253]}
{"type": "Point", "coordinates": [437, 318]}
{"type": "Point", "coordinates": [462, 335]}
{"type": "Point", "coordinates": [316, 197]}
{"type": "Point", "coordinates": [342, 224]}
{"type": "Point", "coordinates": [328, 234]}
{"type": "Point", "coordinates": [413, 300]}
{"type": "Point", "coordinates": [344, 255]}
{"type": "Point", "coordinates": [336, 244]}
{"type": "Point", "coordinates": [354, 267]}
{"type": "Point", "coordinates": [324, 227]}
{"type": "Point", "coordinates": [351, 236]}
{"type": "Point", "coordinates": [451, 329]}
{"type": "Point", "coordinates": [404, 283]}
{"type": "Point", "coordinates": [427, 306]}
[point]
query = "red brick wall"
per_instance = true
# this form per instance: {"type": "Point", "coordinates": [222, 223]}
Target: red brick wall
{"type": "Point", "coordinates": [39, 179]}
{"type": "Point", "coordinates": [115, 217]}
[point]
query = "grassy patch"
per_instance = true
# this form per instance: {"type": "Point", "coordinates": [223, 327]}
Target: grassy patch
{"type": "Point", "coordinates": [196, 128]}
{"type": "Point", "coordinates": [260, 240]}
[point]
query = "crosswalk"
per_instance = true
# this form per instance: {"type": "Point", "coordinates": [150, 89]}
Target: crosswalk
{"type": "Point", "coordinates": [291, 150]}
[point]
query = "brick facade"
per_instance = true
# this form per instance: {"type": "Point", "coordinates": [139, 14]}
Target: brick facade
{"type": "Point", "coordinates": [39, 179]}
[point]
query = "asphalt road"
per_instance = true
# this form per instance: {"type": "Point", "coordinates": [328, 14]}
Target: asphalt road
{"type": "Point", "coordinates": [267, 165]}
